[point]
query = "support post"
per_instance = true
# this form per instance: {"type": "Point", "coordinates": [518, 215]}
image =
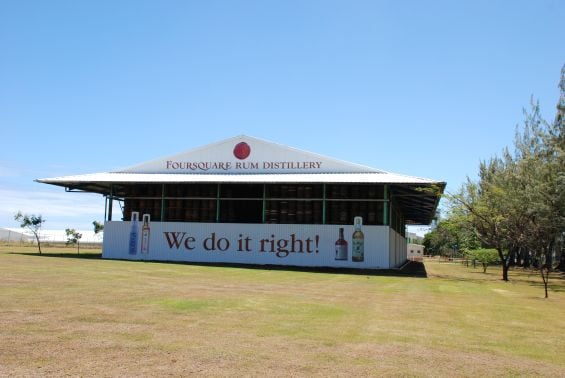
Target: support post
{"type": "Point", "coordinates": [324, 203]}
{"type": "Point", "coordinates": [162, 202]}
{"type": "Point", "coordinates": [386, 206]}
{"type": "Point", "coordinates": [264, 212]}
{"type": "Point", "coordinates": [110, 203]}
{"type": "Point", "coordinates": [218, 204]}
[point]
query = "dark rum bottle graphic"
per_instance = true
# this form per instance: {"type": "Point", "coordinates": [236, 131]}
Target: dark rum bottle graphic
{"type": "Point", "coordinates": [341, 247]}
{"type": "Point", "coordinates": [145, 234]}
{"type": "Point", "coordinates": [134, 233]}
{"type": "Point", "coordinates": [358, 241]}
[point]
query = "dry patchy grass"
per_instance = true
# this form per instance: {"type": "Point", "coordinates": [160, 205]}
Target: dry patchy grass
{"type": "Point", "coordinates": [93, 317]}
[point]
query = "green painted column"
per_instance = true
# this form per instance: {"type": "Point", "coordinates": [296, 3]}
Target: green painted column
{"type": "Point", "coordinates": [218, 204]}
{"type": "Point", "coordinates": [162, 202]}
{"type": "Point", "coordinates": [323, 203]}
{"type": "Point", "coordinates": [386, 206]}
{"type": "Point", "coordinates": [110, 204]}
{"type": "Point", "coordinates": [264, 212]}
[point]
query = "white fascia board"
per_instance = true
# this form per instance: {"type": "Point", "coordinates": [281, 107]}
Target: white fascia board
{"type": "Point", "coordinates": [111, 177]}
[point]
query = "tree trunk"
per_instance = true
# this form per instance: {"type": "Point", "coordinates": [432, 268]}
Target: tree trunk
{"type": "Point", "coordinates": [561, 265]}
{"type": "Point", "coordinates": [512, 257]}
{"type": "Point", "coordinates": [545, 277]}
{"type": "Point", "coordinates": [38, 242]}
{"type": "Point", "coordinates": [505, 265]}
{"type": "Point", "coordinates": [527, 260]}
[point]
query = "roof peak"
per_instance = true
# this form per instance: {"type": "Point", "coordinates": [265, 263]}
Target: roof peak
{"type": "Point", "coordinates": [243, 154]}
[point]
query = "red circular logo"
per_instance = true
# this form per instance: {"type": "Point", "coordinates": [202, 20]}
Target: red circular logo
{"type": "Point", "coordinates": [241, 150]}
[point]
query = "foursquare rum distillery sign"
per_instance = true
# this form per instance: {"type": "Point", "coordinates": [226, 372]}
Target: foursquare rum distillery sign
{"type": "Point", "coordinates": [243, 161]}
{"type": "Point", "coordinates": [247, 155]}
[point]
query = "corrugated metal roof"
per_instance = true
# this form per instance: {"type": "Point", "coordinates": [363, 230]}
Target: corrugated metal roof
{"type": "Point", "coordinates": [261, 157]}
{"type": "Point", "coordinates": [262, 162]}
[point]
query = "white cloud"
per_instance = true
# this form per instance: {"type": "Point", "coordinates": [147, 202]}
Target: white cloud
{"type": "Point", "coordinates": [60, 209]}
{"type": "Point", "coordinates": [63, 203]}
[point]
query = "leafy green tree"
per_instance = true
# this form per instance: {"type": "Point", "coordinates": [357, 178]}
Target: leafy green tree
{"type": "Point", "coordinates": [485, 256]}
{"type": "Point", "coordinates": [31, 222]}
{"type": "Point", "coordinates": [541, 177]}
{"type": "Point", "coordinates": [98, 227]}
{"type": "Point", "coordinates": [451, 234]}
{"type": "Point", "coordinates": [488, 212]}
{"type": "Point", "coordinates": [73, 237]}
{"type": "Point", "coordinates": [518, 202]}
{"type": "Point", "coordinates": [442, 240]}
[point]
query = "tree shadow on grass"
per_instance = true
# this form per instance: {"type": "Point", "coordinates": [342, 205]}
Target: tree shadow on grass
{"type": "Point", "coordinates": [88, 256]}
{"type": "Point", "coordinates": [517, 275]}
{"type": "Point", "coordinates": [455, 278]}
{"type": "Point", "coordinates": [409, 269]}
{"type": "Point", "coordinates": [533, 278]}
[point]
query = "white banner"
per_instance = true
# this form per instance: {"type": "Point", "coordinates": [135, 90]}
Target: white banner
{"type": "Point", "coordinates": [263, 244]}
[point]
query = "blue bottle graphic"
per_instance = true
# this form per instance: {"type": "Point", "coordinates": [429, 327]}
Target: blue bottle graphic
{"type": "Point", "coordinates": [134, 233]}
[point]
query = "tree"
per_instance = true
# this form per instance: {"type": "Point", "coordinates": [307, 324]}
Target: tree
{"type": "Point", "coordinates": [73, 237]}
{"type": "Point", "coordinates": [450, 235]}
{"type": "Point", "coordinates": [489, 213]}
{"type": "Point", "coordinates": [541, 171]}
{"type": "Point", "coordinates": [519, 201]}
{"type": "Point", "coordinates": [484, 256]}
{"type": "Point", "coordinates": [31, 222]}
{"type": "Point", "coordinates": [517, 206]}
{"type": "Point", "coordinates": [98, 227]}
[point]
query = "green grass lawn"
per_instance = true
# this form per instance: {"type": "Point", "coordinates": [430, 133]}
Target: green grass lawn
{"type": "Point", "coordinates": [63, 315]}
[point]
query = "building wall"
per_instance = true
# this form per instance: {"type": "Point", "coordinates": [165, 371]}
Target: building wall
{"type": "Point", "coordinates": [262, 244]}
{"type": "Point", "coordinates": [414, 252]}
{"type": "Point", "coordinates": [397, 251]}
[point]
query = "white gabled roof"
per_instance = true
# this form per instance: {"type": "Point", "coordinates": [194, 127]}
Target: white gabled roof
{"type": "Point", "coordinates": [244, 159]}
{"type": "Point", "coordinates": [259, 161]}
{"type": "Point", "coordinates": [259, 156]}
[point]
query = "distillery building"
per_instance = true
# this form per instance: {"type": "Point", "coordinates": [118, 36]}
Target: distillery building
{"type": "Point", "coordinates": [249, 201]}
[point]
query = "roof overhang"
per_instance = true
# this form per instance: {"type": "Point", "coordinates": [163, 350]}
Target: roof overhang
{"type": "Point", "coordinates": [417, 197]}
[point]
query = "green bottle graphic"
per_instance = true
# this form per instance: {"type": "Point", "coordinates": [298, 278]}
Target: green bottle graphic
{"type": "Point", "coordinates": [358, 248]}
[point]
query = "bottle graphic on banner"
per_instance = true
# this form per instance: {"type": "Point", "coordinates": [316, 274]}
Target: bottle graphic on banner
{"type": "Point", "coordinates": [134, 233]}
{"type": "Point", "coordinates": [341, 247]}
{"type": "Point", "coordinates": [145, 234]}
{"type": "Point", "coordinates": [358, 247]}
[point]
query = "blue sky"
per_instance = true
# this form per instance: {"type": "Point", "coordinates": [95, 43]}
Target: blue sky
{"type": "Point", "coordinates": [424, 88]}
